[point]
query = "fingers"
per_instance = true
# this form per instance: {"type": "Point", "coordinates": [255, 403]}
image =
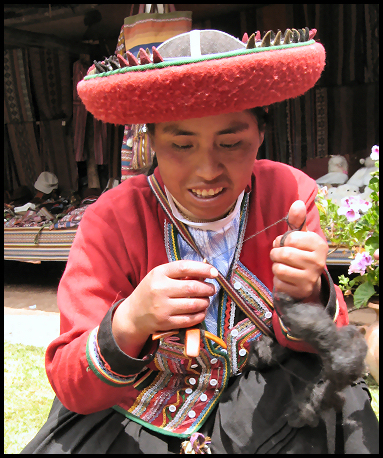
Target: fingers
{"type": "Point", "coordinates": [297, 240]}
{"type": "Point", "coordinates": [298, 265]}
{"type": "Point", "coordinates": [182, 313]}
{"type": "Point", "coordinates": [189, 288]}
{"type": "Point", "coordinates": [182, 269]}
{"type": "Point", "coordinates": [298, 258]}
{"type": "Point", "coordinates": [296, 219]}
{"type": "Point", "coordinates": [297, 215]}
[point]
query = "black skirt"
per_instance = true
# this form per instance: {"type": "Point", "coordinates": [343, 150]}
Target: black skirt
{"type": "Point", "coordinates": [250, 418]}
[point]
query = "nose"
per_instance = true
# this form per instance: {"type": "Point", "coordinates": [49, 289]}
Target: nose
{"type": "Point", "coordinates": [209, 166]}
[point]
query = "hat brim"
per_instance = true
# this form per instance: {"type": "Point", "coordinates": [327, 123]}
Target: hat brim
{"type": "Point", "coordinates": [170, 92]}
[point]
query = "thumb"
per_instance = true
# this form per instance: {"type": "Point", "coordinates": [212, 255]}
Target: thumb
{"type": "Point", "coordinates": [297, 215]}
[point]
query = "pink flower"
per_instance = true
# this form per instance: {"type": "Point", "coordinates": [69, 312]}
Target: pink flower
{"type": "Point", "coordinates": [360, 263]}
{"type": "Point", "coordinates": [350, 214]}
{"type": "Point", "coordinates": [375, 153]}
{"type": "Point", "coordinates": [351, 206]}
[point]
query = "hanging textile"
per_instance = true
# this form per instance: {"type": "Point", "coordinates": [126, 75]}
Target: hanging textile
{"type": "Point", "coordinates": [79, 112]}
{"type": "Point", "coordinates": [340, 115]}
{"type": "Point", "coordinates": [19, 117]}
{"type": "Point", "coordinates": [51, 80]}
{"type": "Point", "coordinates": [80, 115]}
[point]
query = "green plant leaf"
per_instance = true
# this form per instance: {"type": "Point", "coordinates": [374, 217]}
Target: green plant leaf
{"type": "Point", "coordinates": [372, 243]}
{"type": "Point", "coordinates": [362, 294]}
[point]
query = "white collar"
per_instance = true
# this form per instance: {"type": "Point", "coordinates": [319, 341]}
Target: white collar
{"type": "Point", "coordinates": [209, 226]}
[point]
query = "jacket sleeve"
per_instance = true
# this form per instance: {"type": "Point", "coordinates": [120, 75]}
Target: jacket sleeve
{"type": "Point", "coordinates": [84, 365]}
{"type": "Point", "coordinates": [331, 295]}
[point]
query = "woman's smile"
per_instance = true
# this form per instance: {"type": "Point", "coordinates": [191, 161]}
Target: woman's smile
{"type": "Point", "coordinates": [206, 163]}
{"type": "Point", "coordinates": [207, 193]}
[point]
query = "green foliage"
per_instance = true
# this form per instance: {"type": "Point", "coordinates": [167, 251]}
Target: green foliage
{"type": "Point", "coordinates": [363, 293]}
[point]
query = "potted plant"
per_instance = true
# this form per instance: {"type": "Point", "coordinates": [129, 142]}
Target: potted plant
{"type": "Point", "coordinates": [354, 225]}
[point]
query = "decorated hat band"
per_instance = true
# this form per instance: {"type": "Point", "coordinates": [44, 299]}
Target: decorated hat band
{"type": "Point", "coordinates": [202, 73]}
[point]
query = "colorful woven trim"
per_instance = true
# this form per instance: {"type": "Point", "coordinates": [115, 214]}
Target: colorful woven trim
{"type": "Point", "coordinates": [99, 366]}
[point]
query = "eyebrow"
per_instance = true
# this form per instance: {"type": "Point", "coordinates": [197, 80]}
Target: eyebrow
{"type": "Point", "coordinates": [233, 129]}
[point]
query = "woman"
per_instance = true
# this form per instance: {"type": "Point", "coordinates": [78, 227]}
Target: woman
{"type": "Point", "coordinates": [135, 276]}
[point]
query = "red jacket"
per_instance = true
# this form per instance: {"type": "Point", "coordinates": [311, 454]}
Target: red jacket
{"type": "Point", "coordinates": [121, 238]}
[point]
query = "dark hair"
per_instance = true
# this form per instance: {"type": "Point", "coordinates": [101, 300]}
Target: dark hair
{"type": "Point", "coordinates": [260, 113]}
{"type": "Point", "coordinates": [262, 116]}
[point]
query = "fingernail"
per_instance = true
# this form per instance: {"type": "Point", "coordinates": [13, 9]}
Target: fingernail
{"type": "Point", "coordinates": [214, 272]}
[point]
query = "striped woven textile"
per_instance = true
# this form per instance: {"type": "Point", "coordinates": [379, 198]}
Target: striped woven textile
{"type": "Point", "coordinates": [151, 29]}
{"type": "Point", "coordinates": [52, 245]}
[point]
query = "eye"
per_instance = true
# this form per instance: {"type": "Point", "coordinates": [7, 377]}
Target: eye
{"type": "Point", "coordinates": [182, 147]}
{"type": "Point", "coordinates": [232, 145]}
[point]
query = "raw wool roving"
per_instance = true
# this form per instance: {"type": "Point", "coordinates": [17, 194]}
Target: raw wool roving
{"type": "Point", "coordinates": [342, 352]}
{"type": "Point", "coordinates": [184, 87]}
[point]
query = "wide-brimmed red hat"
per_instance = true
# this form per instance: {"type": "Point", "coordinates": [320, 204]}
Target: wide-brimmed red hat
{"type": "Point", "coordinates": [202, 73]}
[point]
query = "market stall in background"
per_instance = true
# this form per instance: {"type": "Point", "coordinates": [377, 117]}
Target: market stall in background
{"type": "Point", "coordinates": [48, 50]}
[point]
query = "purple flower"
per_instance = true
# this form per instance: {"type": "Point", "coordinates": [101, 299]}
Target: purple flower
{"type": "Point", "coordinates": [375, 153]}
{"type": "Point", "coordinates": [360, 263]}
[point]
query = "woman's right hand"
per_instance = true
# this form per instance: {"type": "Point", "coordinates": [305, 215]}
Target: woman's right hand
{"type": "Point", "coordinates": [171, 296]}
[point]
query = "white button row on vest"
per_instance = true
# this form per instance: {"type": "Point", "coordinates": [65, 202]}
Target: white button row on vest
{"type": "Point", "coordinates": [203, 396]}
{"type": "Point", "coordinates": [234, 332]}
{"type": "Point", "coordinates": [173, 408]}
{"type": "Point", "coordinates": [237, 285]}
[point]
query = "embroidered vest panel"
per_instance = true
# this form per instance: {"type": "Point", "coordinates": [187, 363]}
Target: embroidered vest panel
{"type": "Point", "coordinates": [176, 393]}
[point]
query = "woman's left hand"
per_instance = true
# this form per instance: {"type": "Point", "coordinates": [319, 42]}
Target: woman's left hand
{"type": "Point", "coordinates": [298, 265]}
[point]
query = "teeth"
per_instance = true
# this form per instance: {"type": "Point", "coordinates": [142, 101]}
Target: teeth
{"type": "Point", "coordinates": [206, 192]}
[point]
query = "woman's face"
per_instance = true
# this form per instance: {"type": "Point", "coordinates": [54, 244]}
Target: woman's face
{"type": "Point", "coordinates": [207, 162]}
